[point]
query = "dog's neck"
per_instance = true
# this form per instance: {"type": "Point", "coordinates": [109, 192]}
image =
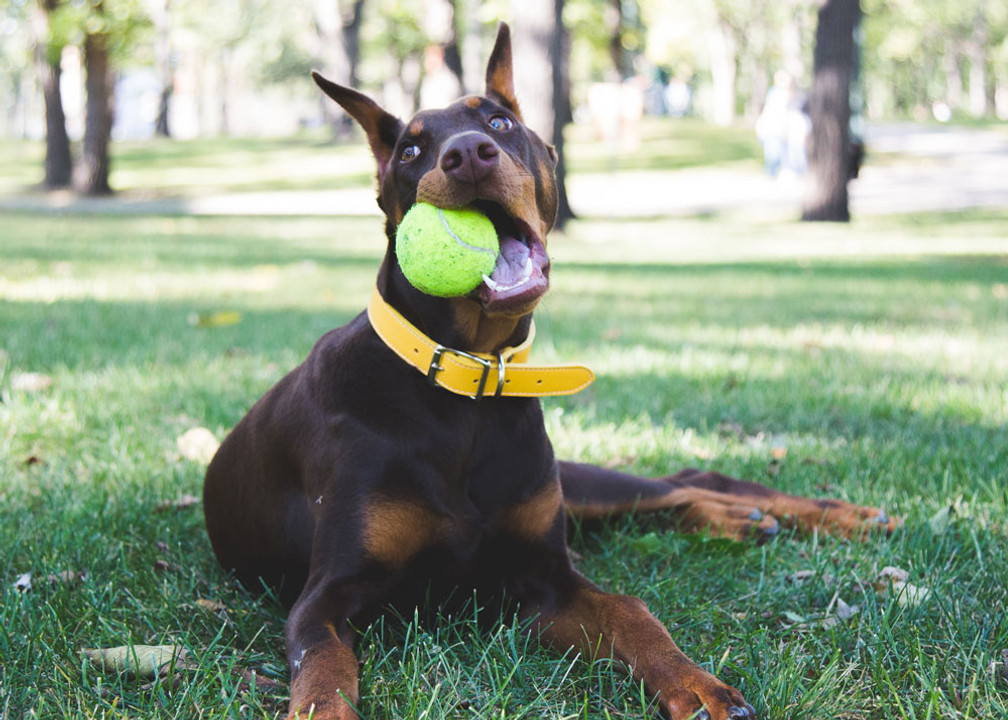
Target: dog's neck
{"type": "Point", "coordinates": [484, 334]}
{"type": "Point", "coordinates": [454, 322]}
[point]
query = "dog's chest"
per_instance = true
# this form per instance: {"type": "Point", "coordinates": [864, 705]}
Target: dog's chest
{"type": "Point", "coordinates": [467, 496]}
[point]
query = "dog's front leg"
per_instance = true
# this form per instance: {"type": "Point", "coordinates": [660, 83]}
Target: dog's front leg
{"type": "Point", "coordinates": [323, 666]}
{"type": "Point", "coordinates": [601, 624]}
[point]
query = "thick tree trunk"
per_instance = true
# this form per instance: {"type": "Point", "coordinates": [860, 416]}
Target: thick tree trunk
{"type": "Point", "coordinates": [93, 171]}
{"type": "Point", "coordinates": [541, 64]}
{"type": "Point", "coordinates": [58, 160]}
{"type": "Point", "coordinates": [826, 196]}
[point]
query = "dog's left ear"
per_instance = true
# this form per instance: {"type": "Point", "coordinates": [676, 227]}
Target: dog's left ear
{"type": "Point", "coordinates": [499, 74]}
{"type": "Point", "coordinates": [382, 128]}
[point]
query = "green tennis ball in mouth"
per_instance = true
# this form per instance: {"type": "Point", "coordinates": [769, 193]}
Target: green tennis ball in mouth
{"type": "Point", "coordinates": [446, 252]}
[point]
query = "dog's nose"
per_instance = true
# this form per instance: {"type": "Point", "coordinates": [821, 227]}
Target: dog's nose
{"type": "Point", "coordinates": [469, 157]}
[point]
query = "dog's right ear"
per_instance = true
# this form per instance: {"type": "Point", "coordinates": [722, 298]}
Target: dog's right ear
{"type": "Point", "coordinates": [382, 128]}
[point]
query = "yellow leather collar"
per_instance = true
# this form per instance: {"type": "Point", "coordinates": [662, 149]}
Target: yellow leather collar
{"type": "Point", "coordinates": [474, 375]}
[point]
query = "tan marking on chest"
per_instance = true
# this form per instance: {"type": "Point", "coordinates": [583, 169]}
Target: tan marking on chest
{"type": "Point", "coordinates": [532, 519]}
{"type": "Point", "coordinates": [394, 530]}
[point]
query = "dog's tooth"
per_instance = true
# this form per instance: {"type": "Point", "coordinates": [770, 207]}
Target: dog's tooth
{"type": "Point", "coordinates": [529, 267]}
{"type": "Point", "coordinates": [491, 283]}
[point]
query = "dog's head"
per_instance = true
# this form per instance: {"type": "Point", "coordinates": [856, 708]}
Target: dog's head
{"type": "Point", "coordinates": [476, 152]}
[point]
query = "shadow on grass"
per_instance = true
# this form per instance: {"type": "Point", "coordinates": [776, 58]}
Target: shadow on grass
{"type": "Point", "coordinates": [834, 394]}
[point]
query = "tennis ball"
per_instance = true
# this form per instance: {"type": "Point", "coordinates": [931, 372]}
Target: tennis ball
{"type": "Point", "coordinates": [446, 252]}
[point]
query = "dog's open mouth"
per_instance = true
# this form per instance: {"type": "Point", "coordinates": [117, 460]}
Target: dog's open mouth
{"type": "Point", "coordinates": [521, 275]}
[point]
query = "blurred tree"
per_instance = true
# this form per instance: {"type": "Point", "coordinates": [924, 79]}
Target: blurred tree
{"type": "Point", "coordinates": [826, 196]}
{"type": "Point", "coordinates": [337, 25]}
{"type": "Point", "coordinates": [441, 73]}
{"type": "Point", "coordinates": [48, 58]}
{"type": "Point", "coordinates": [541, 60]}
{"type": "Point", "coordinates": [105, 30]}
{"type": "Point", "coordinates": [92, 174]}
{"type": "Point", "coordinates": [161, 16]}
{"type": "Point", "coordinates": [923, 52]}
{"type": "Point", "coordinates": [623, 25]}
{"type": "Point", "coordinates": [470, 32]}
{"type": "Point", "coordinates": [395, 35]}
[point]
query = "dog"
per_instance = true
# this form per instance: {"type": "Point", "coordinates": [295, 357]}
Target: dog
{"type": "Point", "coordinates": [407, 456]}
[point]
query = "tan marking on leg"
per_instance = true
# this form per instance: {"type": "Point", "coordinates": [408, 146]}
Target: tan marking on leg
{"type": "Point", "coordinates": [394, 531]}
{"type": "Point", "coordinates": [535, 517]}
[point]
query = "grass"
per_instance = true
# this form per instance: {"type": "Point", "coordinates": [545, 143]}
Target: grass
{"type": "Point", "coordinates": [868, 363]}
{"type": "Point", "coordinates": [193, 168]}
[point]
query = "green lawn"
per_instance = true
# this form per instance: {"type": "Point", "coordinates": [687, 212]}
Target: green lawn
{"type": "Point", "coordinates": [868, 363]}
{"type": "Point", "coordinates": [193, 168]}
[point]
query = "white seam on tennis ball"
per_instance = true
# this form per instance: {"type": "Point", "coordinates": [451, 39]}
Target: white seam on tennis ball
{"type": "Point", "coordinates": [460, 241]}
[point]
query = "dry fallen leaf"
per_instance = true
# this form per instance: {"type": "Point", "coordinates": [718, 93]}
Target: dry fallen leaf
{"type": "Point", "coordinates": [999, 670]}
{"type": "Point", "coordinates": [906, 594]}
{"type": "Point", "coordinates": [893, 574]}
{"type": "Point", "coordinates": [845, 611]}
{"type": "Point", "coordinates": [941, 520]}
{"type": "Point", "coordinates": [800, 576]}
{"type": "Point", "coordinates": [220, 318]}
{"type": "Point", "coordinates": [210, 605]}
{"type": "Point", "coordinates": [198, 445]}
{"type": "Point", "coordinates": [144, 661]}
{"type": "Point", "coordinates": [261, 682]}
{"type": "Point", "coordinates": [30, 382]}
{"type": "Point", "coordinates": [67, 577]}
{"type": "Point", "coordinates": [186, 501]}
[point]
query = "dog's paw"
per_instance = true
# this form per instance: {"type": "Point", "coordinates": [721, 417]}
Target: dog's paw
{"type": "Point", "coordinates": [712, 700]}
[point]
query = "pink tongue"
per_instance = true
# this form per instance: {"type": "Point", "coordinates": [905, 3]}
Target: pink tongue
{"type": "Point", "coordinates": [511, 261]}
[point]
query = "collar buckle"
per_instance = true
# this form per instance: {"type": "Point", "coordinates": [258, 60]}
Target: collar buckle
{"type": "Point", "coordinates": [485, 363]}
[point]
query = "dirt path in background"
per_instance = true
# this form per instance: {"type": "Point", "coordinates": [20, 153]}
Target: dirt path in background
{"type": "Point", "coordinates": [910, 168]}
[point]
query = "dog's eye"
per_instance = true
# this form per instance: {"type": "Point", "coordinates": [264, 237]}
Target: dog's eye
{"type": "Point", "coordinates": [500, 122]}
{"type": "Point", "coordinates": [410, 152]}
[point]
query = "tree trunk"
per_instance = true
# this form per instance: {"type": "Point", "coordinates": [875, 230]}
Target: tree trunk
{"type": "Point", "coordinates": [541, 63]}
{"type": "Point", "coordinates": [563, 114]}
{"type": "Point", "coordinates": [58, 161]}
{"type": "Point", "coordinates": [337, 28]}
{"type": "Point", "coordinates": [224, 55]}
{"type": "Point", "coordinates": [93, 171]}
{"type": "Point", "coordinates": [977, 52]}
{"type": "Point", "coordinates": [826, 196]}
{"type": "Point", "coordinates": [350, 32]}
{"type": "Point", "coordinates": [721, 42]}
{"type": "Point", "coordinates": [614, 28]}
{"type": "Point", "coordinates": [161, 15]}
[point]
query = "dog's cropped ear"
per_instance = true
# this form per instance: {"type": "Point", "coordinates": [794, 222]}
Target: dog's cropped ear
{"type": "Point", "coordinates": [499, 74]}
{"type": "Point", "coordinates": [382, 128]}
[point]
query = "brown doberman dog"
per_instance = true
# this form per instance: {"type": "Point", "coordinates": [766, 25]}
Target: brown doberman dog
{"type": "Point", "coordinates": [369, 477]}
